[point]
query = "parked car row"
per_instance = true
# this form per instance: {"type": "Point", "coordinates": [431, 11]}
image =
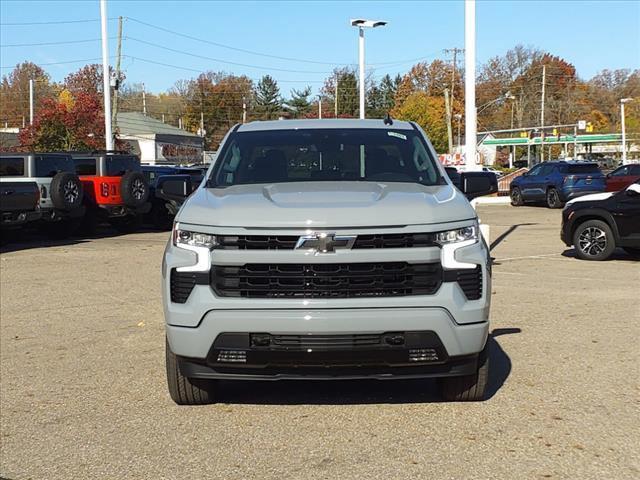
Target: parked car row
{"type": "Point", "coordinates": [68, 191]}
{"type": "Point", "coordinates": [554, 183]}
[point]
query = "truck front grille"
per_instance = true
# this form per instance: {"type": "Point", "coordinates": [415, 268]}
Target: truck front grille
{"type": "Point", "coordinates": [288, 242]}
{"type": "Point", "coordinates": [332, 280]}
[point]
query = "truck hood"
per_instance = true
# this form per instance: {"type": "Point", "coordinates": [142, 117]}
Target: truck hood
{"type": "Point", "coordinates": [325, 204]}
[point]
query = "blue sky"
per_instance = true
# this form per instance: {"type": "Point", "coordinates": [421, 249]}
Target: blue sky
{"type": "Point", "coordinates": [591, 35]}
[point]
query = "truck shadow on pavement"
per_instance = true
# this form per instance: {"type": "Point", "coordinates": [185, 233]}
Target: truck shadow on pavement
{"type": "Point", "coordinates": [361, 392]}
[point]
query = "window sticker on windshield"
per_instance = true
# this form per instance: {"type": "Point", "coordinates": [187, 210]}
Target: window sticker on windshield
{"type": "Point", "coordinates": [397, 135]}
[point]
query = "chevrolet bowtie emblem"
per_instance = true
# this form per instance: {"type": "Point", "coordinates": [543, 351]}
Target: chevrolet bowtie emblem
{"type": "Point", "coordinates": [325, 242]}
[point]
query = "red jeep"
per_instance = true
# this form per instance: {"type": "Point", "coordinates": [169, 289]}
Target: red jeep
{"type": "Point", "coordinates": [114, 187]}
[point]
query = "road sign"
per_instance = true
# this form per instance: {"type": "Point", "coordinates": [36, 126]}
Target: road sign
{"type": "Point", "coordinates": [582, 124]}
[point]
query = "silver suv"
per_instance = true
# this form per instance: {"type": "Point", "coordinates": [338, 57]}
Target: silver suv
{"type": "Point", "coordinates": [327, 249]}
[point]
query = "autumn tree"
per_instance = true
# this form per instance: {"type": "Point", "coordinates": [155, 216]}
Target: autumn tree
{"type": "Point", "coordinates": [62, 126]}
{"type": "Point", "coordinates": [346, 81]}
{"type": "Point", "coordinates": [14, 92]}
{"type": "Point", "coordinates": [429, 113]}
{"type": "Point", "coordinates": [87, 79]}
{"type": "Point", "coordinates": [219, 97]}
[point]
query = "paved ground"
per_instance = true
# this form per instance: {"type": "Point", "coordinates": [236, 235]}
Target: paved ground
{"type": "Point", "coordinates": [83, 388]}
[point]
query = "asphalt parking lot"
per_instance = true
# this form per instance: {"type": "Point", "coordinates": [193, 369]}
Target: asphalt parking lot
{"type": "Point", "coordinates": [83, 393]}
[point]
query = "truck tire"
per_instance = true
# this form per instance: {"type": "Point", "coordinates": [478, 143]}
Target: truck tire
{"type": "Point", "coordinates": [183, 390]}
{"type": "Point", "coordinates": [66, 191]}
{"type": "Point", "coordinates": [594, 240]}
{"type": "Point", "coordinates": [553, 198]}
{"type": "Point", "coordinates": [134, 189]}
{"type": "Point", "coordinates": [468, 388]}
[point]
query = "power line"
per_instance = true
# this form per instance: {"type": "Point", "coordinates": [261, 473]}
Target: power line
{"type": "Point", "coordinates": [204, 57]}
{"type": "Point", "coordinates": [55, 22]}
{"type": "Point", "coordinates": [67, 42]}
{"type": "Point", "coordinates": [60, 63]}
{"type": "Point", "coordinates": [229, 47]}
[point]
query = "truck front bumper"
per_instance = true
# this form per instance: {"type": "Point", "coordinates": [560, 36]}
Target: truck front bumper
{"type": "Point", "coordinates": [328, 343]}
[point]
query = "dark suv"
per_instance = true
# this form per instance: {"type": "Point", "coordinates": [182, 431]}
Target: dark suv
{"type": "Point", "coordinates": [557, 182]}
{"type": "Point", "coordinates": [163, 209]}
{"type": "Point", "coordinates": [596, 224]}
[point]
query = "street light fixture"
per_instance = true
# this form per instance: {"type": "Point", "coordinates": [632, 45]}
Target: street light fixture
{"type": "Point", "coordinates": [624, 135]}
{"type": "Point", "coordinates": [362, 24]}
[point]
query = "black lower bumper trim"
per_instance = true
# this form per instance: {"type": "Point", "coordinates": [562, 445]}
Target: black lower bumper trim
{"type": "Point", "coordinates": [265, 356]}
{"type": "Point", "coordinates": [455, 366]}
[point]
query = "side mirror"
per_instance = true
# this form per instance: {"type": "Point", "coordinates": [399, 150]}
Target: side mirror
{"type": "Point", "coordinates": [174, 187]}
{"type": "Point", "coordinates": [477, 184]}
{"type": "Point", "coordinates": [608, 175]}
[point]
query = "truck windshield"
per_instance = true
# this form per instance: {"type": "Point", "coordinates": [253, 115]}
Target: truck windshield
{"type": "Point", "coordinates": [304, 155]}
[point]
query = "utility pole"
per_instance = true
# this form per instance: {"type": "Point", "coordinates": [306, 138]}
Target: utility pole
{"type": "Point", "coordinates": [31, 101]}
{"type": "Point", "coordinates": [447, 107]}
{"type": "Point", "coordinates": [144, 100]}
{"type": "Point", "coordinates": [106, 88]}
{"type": "Point", "coordinates": [180, 123]}
{"type": "Point", "coordinates": [624, 131]}
{"type": "Point", "coordinates": [470, 113]}
{"type": "Point", "coordinates": [244, 110]}
{"type": "Point", "coordinates": [335, 106]}
{"type": "Point", "coordinates": [319, 106]}
{"type": "Point", "coordinates": [116, 86]}
{"type": "Point", "coordinates": [544, 78]}
{"type": "Point", "coordinates": [455, 52]}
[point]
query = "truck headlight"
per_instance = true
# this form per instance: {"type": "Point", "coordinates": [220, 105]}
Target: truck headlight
{"type": "Point", "coordinates": [452, 240]}
{"type": "Point", "coordinates": [458, 235]}
{"type": "Point", "coordinates": [199, 243]}
{"type": "Point", "coordinates": [183, 238]}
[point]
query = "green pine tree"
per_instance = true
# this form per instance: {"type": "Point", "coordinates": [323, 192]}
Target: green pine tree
{"type": "Point", "coordinates": [268, 100]}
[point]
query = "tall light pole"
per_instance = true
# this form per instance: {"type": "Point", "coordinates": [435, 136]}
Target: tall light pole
{"type": "Point", "coordinates": [362, 24]}
{"type": "Point", "coordinates": [624, 132]}
{"type": "Point", "coordinates": [470, 114]}
{"type": "Point", "coordinates": [106, 87]}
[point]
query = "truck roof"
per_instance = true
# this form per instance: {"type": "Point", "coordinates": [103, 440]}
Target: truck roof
{"type": "Point", "coordinates": [322, 123]}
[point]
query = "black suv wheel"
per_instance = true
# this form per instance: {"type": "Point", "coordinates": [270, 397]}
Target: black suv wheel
{"type": "Point", "coordinates": [553, 198]}
{"type": "Point", "coordinates": [593, 240]}
{"type": "Point", "coordinates": [516, 197]}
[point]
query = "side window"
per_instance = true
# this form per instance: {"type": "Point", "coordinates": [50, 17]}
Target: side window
{"type": "Point", "coordinates": [49, 166]}
{"type": "Point", "coordinates": [546, 170]}
{"type": "Point", "coordinates": [85, 166]}
{"type": "Point", "coordinates": [635, 169]}
{"type": "Point", "coordinates": [535, 170]}
{"type": "Point", "coordinates": [11, 167]}
{"type": "Point", "coordinates": [621, 172]}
